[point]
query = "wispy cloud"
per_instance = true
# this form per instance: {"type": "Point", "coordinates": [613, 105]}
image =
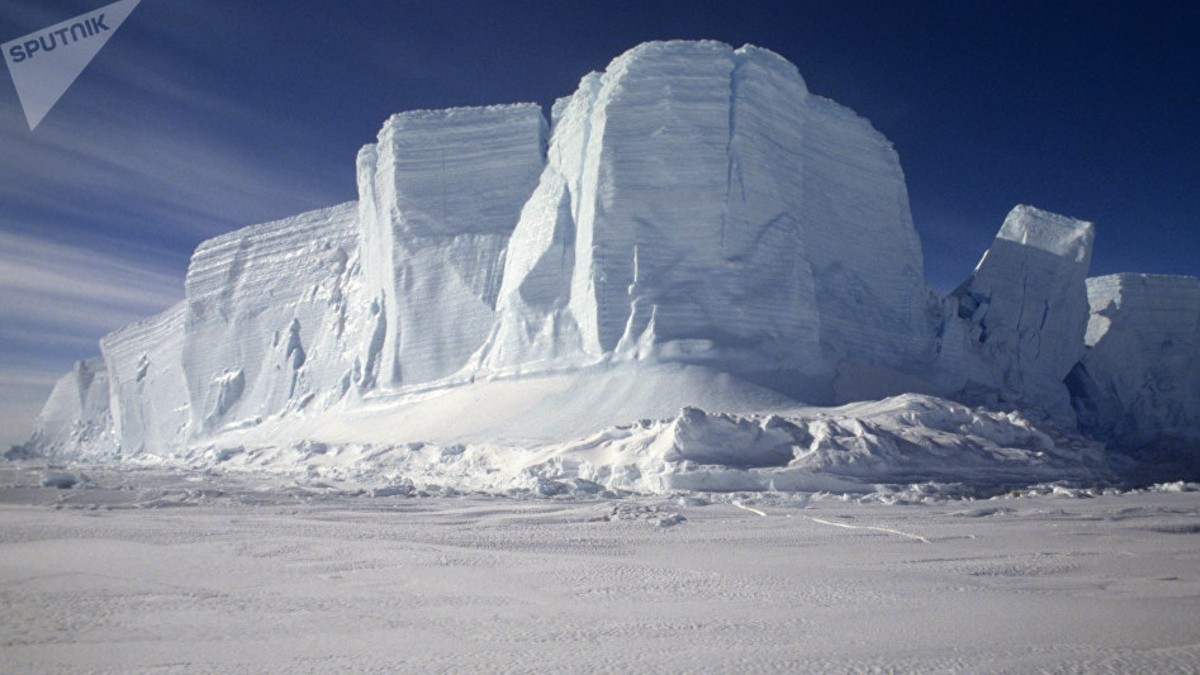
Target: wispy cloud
{"type": "Point", "coordinates": [56, 301]}
{"type": "Point", "coordinates": [144, 171]}
{"type": "Point", "coordinates": [47, 283]}
{"type": "Point", "coordinates": [147, 154]}
{"type": "Point", "coordinates": [148, 140]}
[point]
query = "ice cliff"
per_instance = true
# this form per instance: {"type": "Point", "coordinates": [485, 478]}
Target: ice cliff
{"type": "Point", "coordinates": [1138, 384]}
{"type": "Point", "coordinates": [692, 227]}
{"type": "Point", "coordinates": [76, 416]}
{"type": "Point", "coordinates": [700, 205]}
{"type": "Point", "coordinates": [439, 196]}
{"type": "Point", "coordinates": [1022, 315]}
{"type": "Point", "coordinates": [272, 320]}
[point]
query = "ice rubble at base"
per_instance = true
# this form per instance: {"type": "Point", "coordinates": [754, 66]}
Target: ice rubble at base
{"type": "Point", "coordinates": [864, 447]}
{"type": "Point", "coordinates": [693, 230]}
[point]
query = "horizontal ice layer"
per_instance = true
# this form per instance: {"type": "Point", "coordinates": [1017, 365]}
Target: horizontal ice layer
{"type": "Point", "coordinates": [273, 322]}
{"type": "Point", "coordinates": [76, 419]}
{"type": "Point", "coordinates": [439, 196]}
{"type": "Point", "coordinates": [457, 171]}
{"type": "Point", "coordinates": [1017, 325]}
{"type": "Point", "coordinates": [700, 205]}
{"type": "Point", "coordinates": [1139, 382]}
{"type": "Point", "coordinates": [149, 396]}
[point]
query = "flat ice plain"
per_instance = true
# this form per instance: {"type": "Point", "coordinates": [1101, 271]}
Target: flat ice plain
{"type": "Point", "coordinates": [153, 571]}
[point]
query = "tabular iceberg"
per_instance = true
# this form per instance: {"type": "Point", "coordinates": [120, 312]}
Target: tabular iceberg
{"type": "Point", "coordinates": [692, 227]}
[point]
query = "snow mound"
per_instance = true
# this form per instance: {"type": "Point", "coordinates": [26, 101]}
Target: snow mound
{"type": "Point", "coordinates": [527, 411]}
{"type": "Point", "coordinates": [854, 448]}
{"type": "Point", "coordinates": [904, 439]}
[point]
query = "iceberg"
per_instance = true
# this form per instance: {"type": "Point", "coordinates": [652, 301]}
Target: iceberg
{"type": "Point", "coordinates": [699, 205]}
{"type": "Point", "coordinates": [1138, 384]}
{"type": "Point", "coordinates": [1016, 327]}
{"type": "Point", "coordinates": [696, 275]}
{"type": "Point", "coordinates": [76, 421]}
{"type": "Point", "coordinates": [439, 195]}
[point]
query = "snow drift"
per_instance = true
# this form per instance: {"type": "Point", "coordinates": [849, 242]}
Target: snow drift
{"type": "Point", "coordinates": [693, 230]}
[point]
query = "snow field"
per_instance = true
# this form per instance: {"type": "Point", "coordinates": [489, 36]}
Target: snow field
{"type": "Point", "coordinates": [141, 571]}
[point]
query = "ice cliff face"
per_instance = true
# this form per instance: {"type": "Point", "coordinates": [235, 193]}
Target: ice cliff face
{"type": "Point", "coordinates": [272, 320]}
{"type": "Point", "coordinates": [439, 196]}
{"type": "Point", "coordinates": [692, 206]}
{"type": "Point", "coordinates": [76, 416]}
{"type": "Point", "coordinates": [149, 401]}
{"type": "Point", "coordinates": [1017, 325]}
{"type": "Point", "coordinates": [1139, 382]}
{"type": "Point", "coordinates": [700, 205]}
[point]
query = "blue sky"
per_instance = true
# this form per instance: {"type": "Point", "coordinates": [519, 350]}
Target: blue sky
{"type": "Point", "coordinates": [200, 117]}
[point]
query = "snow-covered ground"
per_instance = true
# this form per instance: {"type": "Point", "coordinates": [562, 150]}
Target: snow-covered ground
{"type": "Point", "coordinates": [140, 570]}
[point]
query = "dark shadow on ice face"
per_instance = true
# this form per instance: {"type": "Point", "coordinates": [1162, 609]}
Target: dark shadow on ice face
{"type": "Point", "coordinates": [20, 452]}
{"type": "Point", "coordinates": [1143, 456]}
{"type": "Point", "coordinates": [1138, 384]}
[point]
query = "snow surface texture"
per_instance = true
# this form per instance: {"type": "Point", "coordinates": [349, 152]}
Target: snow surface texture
{"type": "Point", "coordinates": [148, 572]}
{"type": "Point", "coordinates": [694, 231]}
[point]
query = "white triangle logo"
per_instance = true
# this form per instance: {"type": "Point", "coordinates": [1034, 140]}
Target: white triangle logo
{"type": "Point", "coordinates": [45, 63]}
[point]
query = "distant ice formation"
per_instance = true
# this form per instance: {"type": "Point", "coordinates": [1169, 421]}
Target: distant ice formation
{"type": "Point", "coordinates": [692, 229]}
{"type": "Point", "coordinates": [77, 416]}
{"type": "Point", "coordinates": [1138, 384]}
{"type": "Point", "coordinates": [1024, 311]}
